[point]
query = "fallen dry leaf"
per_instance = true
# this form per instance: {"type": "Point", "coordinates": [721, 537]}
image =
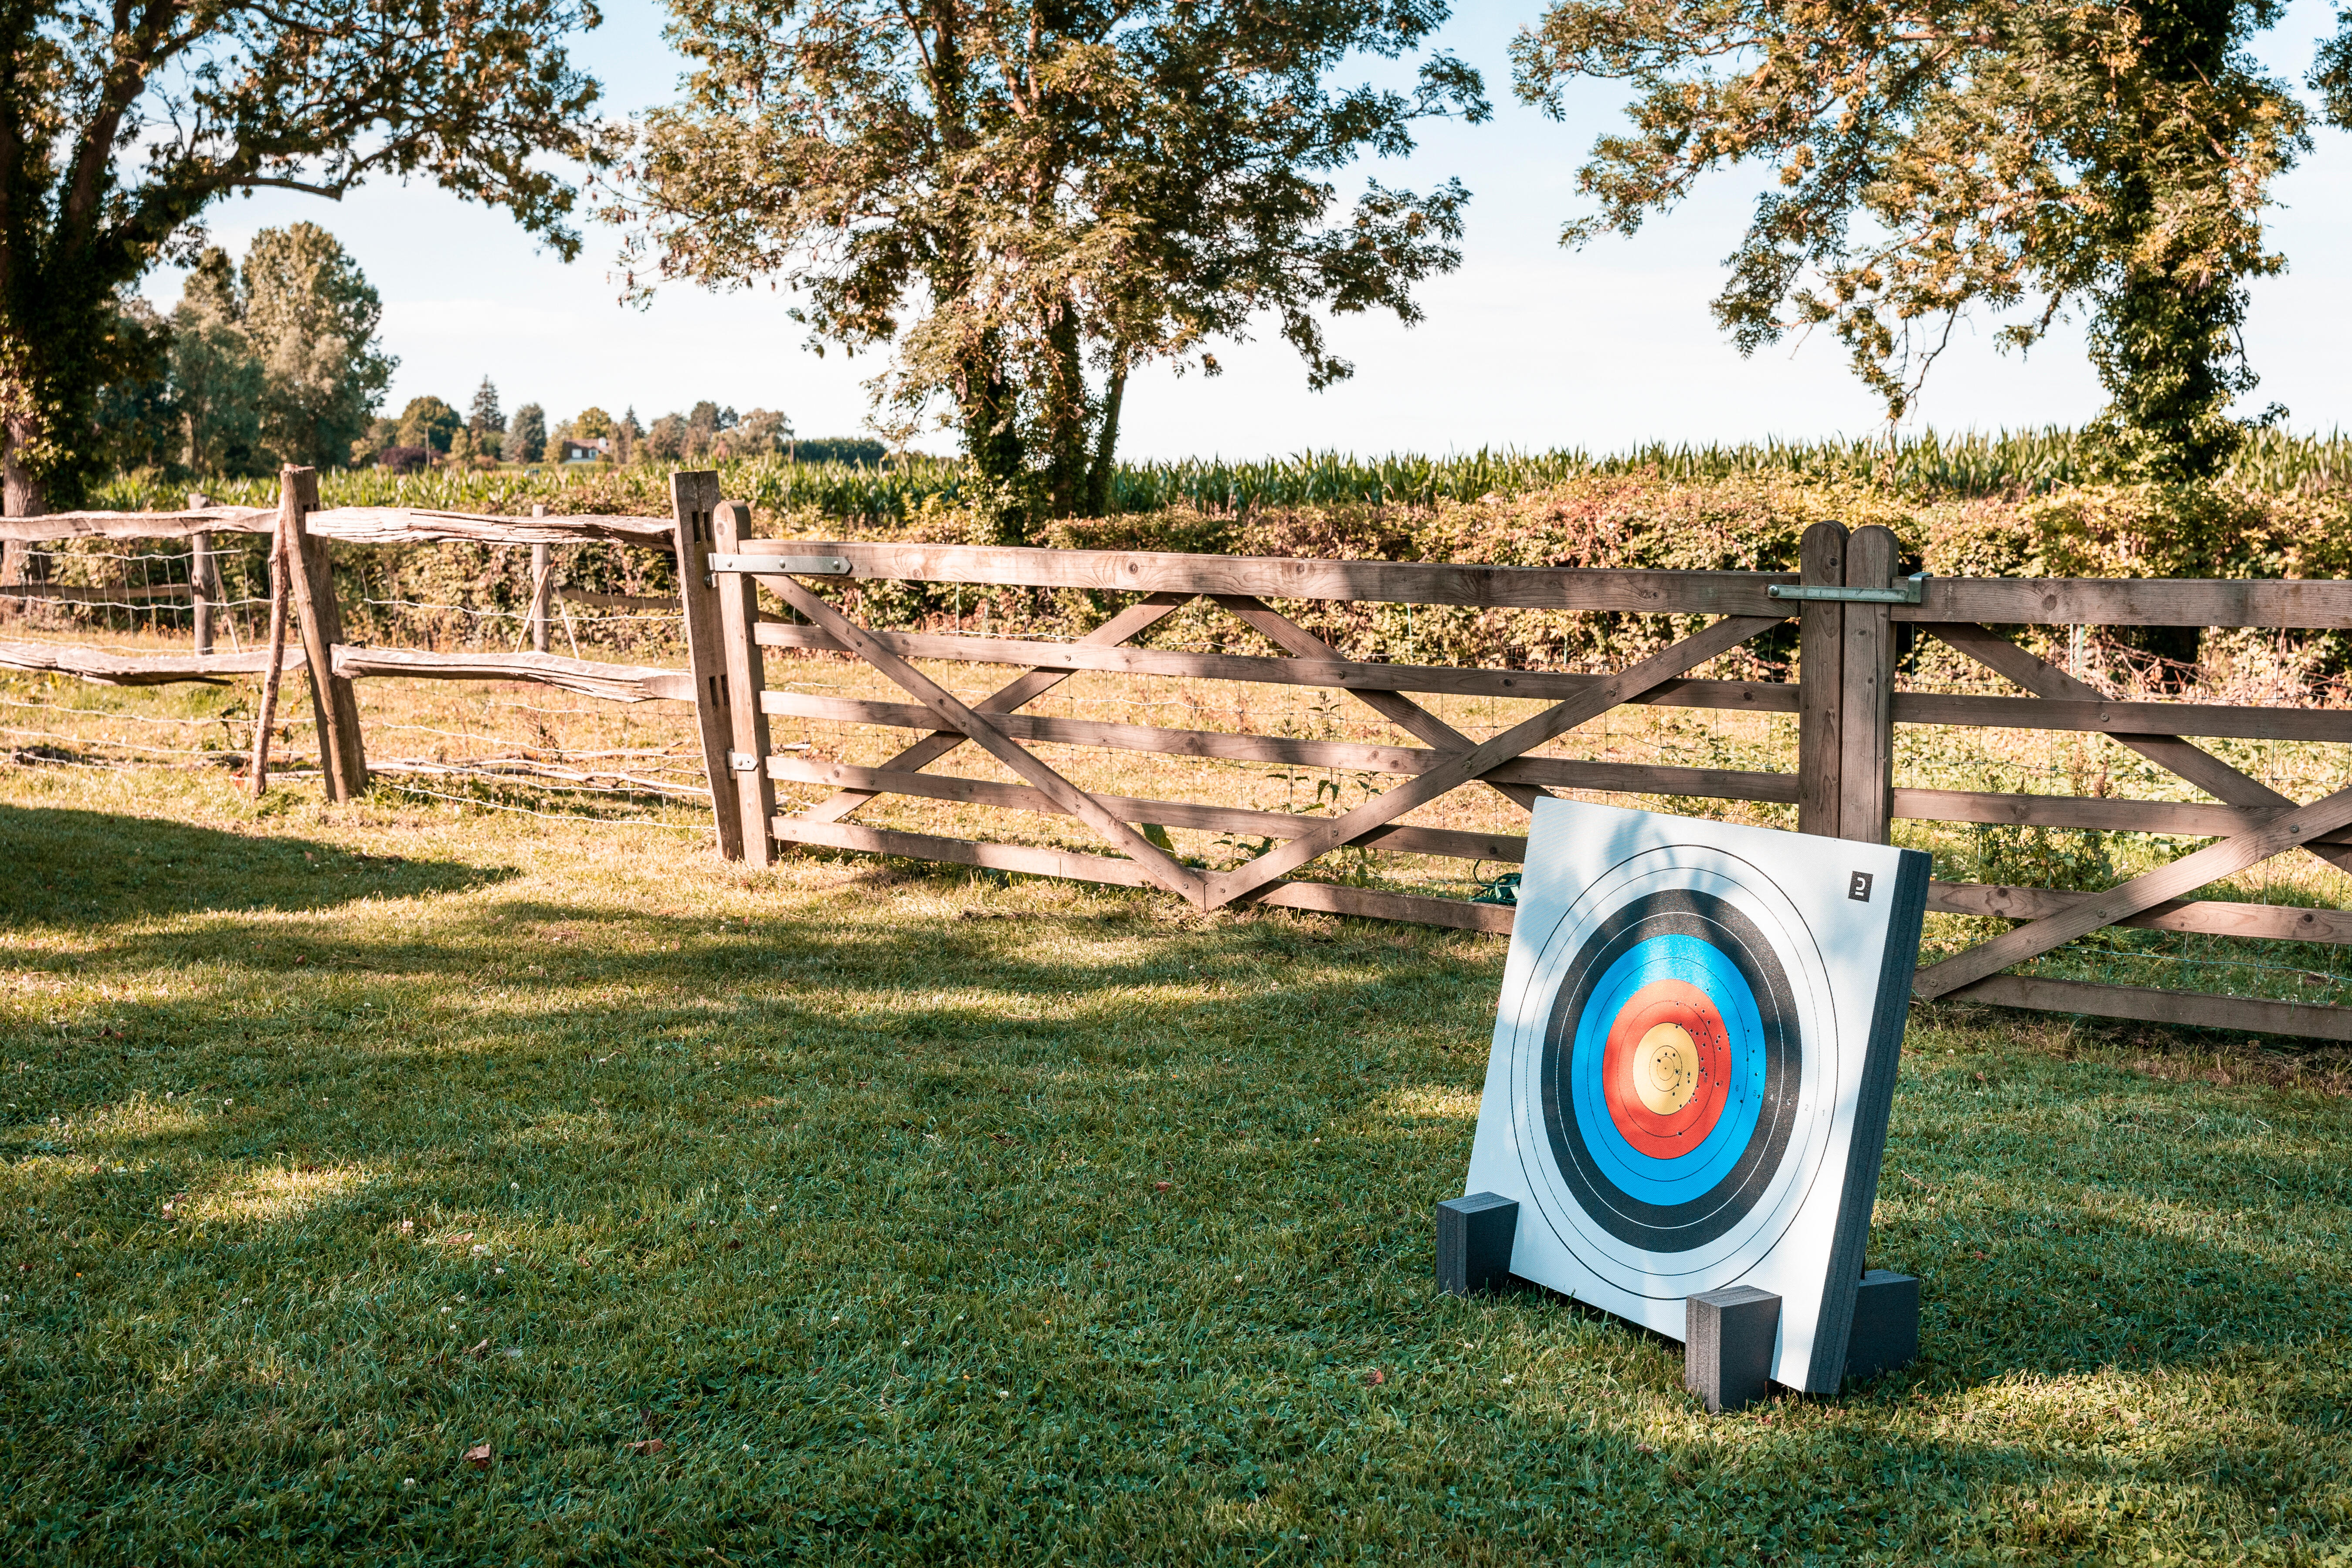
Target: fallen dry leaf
{"type": "Point", "coordinates": [1377, 1378]}
{"type": "Point", "coordinates": [459, 1239]}
{"type": "Point", "coordinates": [649, 1446]}
{"type": "Point", "coordinates": [479, 1455]}
{"type": "Point", "coordinates": [479, 1349]}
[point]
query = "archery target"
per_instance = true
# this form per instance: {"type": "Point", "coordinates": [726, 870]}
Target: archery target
{"type": "Point", "coordinates": [1681, 1060]}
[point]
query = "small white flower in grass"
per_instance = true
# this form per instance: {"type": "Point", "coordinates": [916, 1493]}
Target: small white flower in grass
{"type": "Point", "coordinates": [1508, 1380]}
{"type": "Point", "coordinates": [904, 1344]}
{"type": "Point", "coordinates": [246, 1301]}
{"type": "Point", "coordinates": [481, 1252]}
{"type": "Point", "coordinates": [1003, 1394]}
{"type": "Point", "coordinates": [444, 1308]}
{"type": "Point", "coordinates": [1237, 1279]}
{"type": "Point", "coordinates": [497, 1271]}
{"type": "Point", "coordinates": [514, 1186]}
{"type": "Point", "coordinates": [408, 1480]}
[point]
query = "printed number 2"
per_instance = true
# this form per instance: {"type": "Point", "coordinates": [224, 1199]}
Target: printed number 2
{"type": "Point", "coordinates": [1858, 888]}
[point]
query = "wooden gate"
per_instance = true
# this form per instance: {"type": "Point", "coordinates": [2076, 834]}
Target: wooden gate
{"type": "Point", "coordinates": [1849, 598]}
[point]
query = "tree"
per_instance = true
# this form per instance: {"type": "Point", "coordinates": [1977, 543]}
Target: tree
{"type": "Point", "coordinates": [590, 424]}
{"type": "Point", "coordinates": [121, 121]}
{"type": "Point", "coordinates": [312, 317]}
{"type": "Point", "coordinates": [666, 439]}
{"type": "Point", "coordinates": [136, 424]}
{"type": "Point", "coordinates": [429, 423]}
{"type": "Point", "coordinates": [1950, 155]}
{"type": "Point", "coordinates": [1026, 201]}
{"type": "Point", "coordinates": [762, 433]}
{"type": "Point", "coordinates": [485, 422]}
{"type": "Point", "coordinates": [215, 376]}
{"type": "Point", "coordinates": [527, 437]}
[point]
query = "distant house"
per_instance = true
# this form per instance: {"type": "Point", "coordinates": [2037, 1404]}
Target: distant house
{"type": "Point", "coordinates": [577, 451]}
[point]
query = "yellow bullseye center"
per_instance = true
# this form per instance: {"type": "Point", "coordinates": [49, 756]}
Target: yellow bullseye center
{"type": "Point", "coordinates": [1665, 1068]}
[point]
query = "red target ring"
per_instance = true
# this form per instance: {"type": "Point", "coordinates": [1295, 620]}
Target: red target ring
{"type": "Point", "coordinates": [1666, 1068]}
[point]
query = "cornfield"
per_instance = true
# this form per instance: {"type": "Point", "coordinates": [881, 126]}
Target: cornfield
{"type": "Point", "coordinates": [1927, 465]}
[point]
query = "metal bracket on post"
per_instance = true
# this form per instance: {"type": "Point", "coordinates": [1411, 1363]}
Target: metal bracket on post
{"type": "Point", "coordinates": [1906, 592]}
{"type": "Point", "coordinates": [742, 763]}
{"type": "Point", "coordinates": [776, 566]}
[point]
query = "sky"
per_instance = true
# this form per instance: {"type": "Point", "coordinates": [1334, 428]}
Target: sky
{"type": "Point", "coordinates": [1527, 345]}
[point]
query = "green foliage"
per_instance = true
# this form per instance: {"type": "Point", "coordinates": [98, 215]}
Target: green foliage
{"type": "Point", "coordinates": [526, 438]}
{"type": "Point", "coordinates": [137, 419]}
{"type": "Point", "coordinates": [918, 1217]}
{"type": "Point", "coordinates": [1972, 155]}
{"type": "Point", "coordinates": [430, 423]}
{"type": "Point", "coordinates": [311, 319]}
{"type": "Point", "coordinates": [120, 125]}
{"type": "Point", "coordinates": [1023, 203]}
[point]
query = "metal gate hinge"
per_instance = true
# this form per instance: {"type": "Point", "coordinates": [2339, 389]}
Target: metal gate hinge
{"type": "Point", "coordinates": [743, 762]}
{"type": "Point", "coordinates": [1906, 591]}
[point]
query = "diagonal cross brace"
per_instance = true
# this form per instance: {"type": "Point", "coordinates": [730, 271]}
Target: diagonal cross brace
{"type": "Point", "coordinates": [2189, 761]}
{"type": "Point", "coordinates": [1394, 706]}
{"type": "Point", "coordinates": [2174, 880]}
{"type": "Point", "coordinates": [1131, 622]}
{"type": "Point", "coordinates": [1463, 766]}
{"type": "Point", "coordinates": [1162, 868]}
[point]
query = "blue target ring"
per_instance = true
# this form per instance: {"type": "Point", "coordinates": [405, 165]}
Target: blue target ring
{"type": "Point", "coordinates": [1667, 1183]}
{"type": "Point", "coordinates": [1681, 937]}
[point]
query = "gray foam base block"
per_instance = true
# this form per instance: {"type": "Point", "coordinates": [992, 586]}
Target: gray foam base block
{"type": "Point", "coordinates": [1886, 1325]}
{"type": "Point", "coordinates": [1728, 1338]}
{"type": "Point", "coordinates": [1474, 1242]}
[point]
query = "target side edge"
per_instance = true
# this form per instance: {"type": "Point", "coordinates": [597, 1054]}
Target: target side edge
{"type": "Point", "coordinates": [1883, 1055]}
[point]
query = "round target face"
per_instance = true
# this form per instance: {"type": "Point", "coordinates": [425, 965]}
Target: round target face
{"type": "Point", "coordinates": [1673, 1104]}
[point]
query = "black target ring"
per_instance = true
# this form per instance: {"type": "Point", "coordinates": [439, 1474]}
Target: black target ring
{"type": "Point", "coordinates": [1672, 1227]}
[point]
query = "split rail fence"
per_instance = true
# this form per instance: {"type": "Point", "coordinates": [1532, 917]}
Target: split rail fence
{"type": "Point", "coordinates": [1848, 599]}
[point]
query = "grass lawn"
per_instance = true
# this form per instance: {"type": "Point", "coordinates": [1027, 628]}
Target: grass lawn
{"type": "Point", "coordinates": [860, 1213]}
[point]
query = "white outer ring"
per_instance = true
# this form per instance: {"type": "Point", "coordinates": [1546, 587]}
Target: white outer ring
{"type": "Point", "coordinates": [1674, 1275]}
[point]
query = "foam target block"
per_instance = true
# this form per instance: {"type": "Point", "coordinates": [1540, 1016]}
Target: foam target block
{"type": "Point", "coordinates": [1886, 1324]}
{"type": "Point", "coordinates": [1474, 1243]}
{"type": "Point", "coordinates": [1727, 1341]}
{"type": "Point", "coordinates": [1693, 1065]}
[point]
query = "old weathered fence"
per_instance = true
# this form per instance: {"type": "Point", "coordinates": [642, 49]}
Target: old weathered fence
{"type": "Point", "coordinates": [304, 532]}
{"type": "Point", "coordinates": [1849, 600]}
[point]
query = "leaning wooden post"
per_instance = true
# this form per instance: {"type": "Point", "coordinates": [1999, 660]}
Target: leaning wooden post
{"type": "Point", "coordinates": [202, 578]}
{"type": "Point", "coordinates": [693, 496]}
{"type": "Point", "coordinates": [542, 568]}
{"type": "Point", "coordinates": [738, 612]}
{"type": "Point", "coordinates": [334, 704]}
{"type": "Point", "coordinates": [276, 668]}
{"type": "Point", "coordinates": [1866, 712]}
{"type": "Point", "coordinates": [1820, 689]}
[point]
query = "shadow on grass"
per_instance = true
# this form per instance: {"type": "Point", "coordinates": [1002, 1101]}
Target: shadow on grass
{"type": "Point", "coordinates": [1000, 1226]}
{"type": "Point", "coordinates": [69, 867]}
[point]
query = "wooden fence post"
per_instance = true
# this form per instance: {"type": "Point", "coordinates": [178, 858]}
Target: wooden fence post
{"type": "Point", "coordinates": [203, 579]}
{"type": "Point", "coordinates": [693, 496]}
{"type": "Point", "coordinates": [333, 703]}
{"type": "Point", "coordinates": [738, 612]}
{"type": "Point", "coordinates": [275, 671]}
{"type": "Point", "coordinates": [1821, 649]}
{"type": "Point", "coordinates": [1866, 715]}
{"type": "Point", "coordinates": [542, 568]}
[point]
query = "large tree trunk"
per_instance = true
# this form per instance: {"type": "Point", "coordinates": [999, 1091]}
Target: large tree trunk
{"type": "Point", "coordinates": [1106, 443]}
{"type": "Point", "coordinates": [23, 494]}
{"type": "Point", "coordinates": [991, 435]}
{"type": "Point", "coordinates": [1066, 413]}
